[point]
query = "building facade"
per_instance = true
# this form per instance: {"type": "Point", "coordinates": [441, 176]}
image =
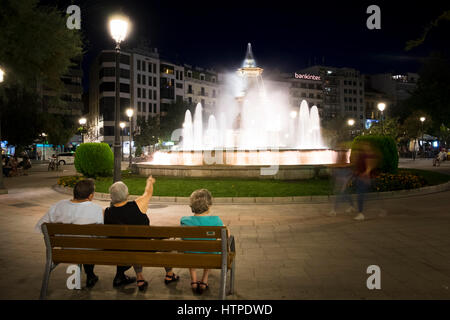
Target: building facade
{"type": "Point", "coordinates": [398, 87]}
{"type": "Point", "coordinates": [343, 93]}
{"type": "Point", "coordinates": [148, 84]}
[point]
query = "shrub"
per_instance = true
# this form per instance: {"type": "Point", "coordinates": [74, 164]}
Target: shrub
{"type": "Point", "coordinates": [69, 181]}
{"type": "Point", "coordinates": [385, 147]}
{"type": "Point", "coordinates": [399, 181]}
{"type": "Point", "coordinates": [94, 159]}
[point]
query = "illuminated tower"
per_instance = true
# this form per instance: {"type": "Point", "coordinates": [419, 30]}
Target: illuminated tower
{"type": "Point", "coordinates": [251, 73]}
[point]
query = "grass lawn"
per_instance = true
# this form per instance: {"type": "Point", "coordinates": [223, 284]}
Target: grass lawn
{"type": "Point", "coordinates": [229, 187]}
{"type": "Point", "coordinates": [221, 187]}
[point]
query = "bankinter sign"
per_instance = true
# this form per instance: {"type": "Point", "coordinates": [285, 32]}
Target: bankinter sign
{"type": "Point", "coordinates": [307, 76]}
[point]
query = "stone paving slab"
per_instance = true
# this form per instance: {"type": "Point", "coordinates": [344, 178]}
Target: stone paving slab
{"type": "Point", "coordinates": [284, 251]}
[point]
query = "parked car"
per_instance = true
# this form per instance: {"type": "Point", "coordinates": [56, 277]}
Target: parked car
{"type": "Point", "coordinates": [65, 158]}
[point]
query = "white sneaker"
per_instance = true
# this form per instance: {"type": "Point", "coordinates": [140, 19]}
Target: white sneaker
{"type": "Point", "coordinates": [350, 210]}
{"type": "Point", "coordinates": [332, 213]}
{"type": "Point", "coordinates": [359, 217]}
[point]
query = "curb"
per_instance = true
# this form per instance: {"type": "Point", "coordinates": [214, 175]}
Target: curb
{"type": "Point", "coordinates": [278, 200]}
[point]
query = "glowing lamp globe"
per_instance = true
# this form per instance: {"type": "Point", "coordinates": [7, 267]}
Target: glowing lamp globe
{"type": "Point", "coordinates": [118, 27]}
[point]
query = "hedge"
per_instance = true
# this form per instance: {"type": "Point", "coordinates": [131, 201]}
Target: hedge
{"type": "Point", "coordinates": [94, 159]}
{"type": "Point", "coordinates": [386, 148]}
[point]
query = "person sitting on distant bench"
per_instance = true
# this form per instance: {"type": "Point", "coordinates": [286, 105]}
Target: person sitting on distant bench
{"type": "Point", "coordinates": [442, 156]}
{"type": "Point", "coordinates": [6, 166]}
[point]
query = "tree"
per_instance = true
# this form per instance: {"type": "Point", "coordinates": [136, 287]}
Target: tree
{"type": "Point", "coordinates": [149, 131]}
{"type": "Point", "coordinates": [36, 50]}
{"type": "Point", "coordinates": [445, 16]}
{"type": "Point", "coordinates": [412, 126]}
{"type": "Point", "coordinates": [335, 131]}
{"type": "Point", "coordinates": [174, 118]}
{"type": "Point", "coordinates": [432, 95]}
{"type": "Point", "coordinates": [21, 123]}
{"type": "Point", "coordinates": [389, 127]}
{"type": "Point", "coordinates": [59, 128]}
{"type": "Point", "coordinates": [36, 47]}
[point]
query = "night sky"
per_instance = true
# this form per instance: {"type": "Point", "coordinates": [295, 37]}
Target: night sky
{"type": "Point", "coordinates": [287, 35]}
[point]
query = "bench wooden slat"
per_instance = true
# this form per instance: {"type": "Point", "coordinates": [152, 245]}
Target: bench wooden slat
{"type": "Point", "coordinates": [135, 244]}
{"type": "Point", "coordinates": [157, 259]}
{"type": "Point", "coordinates": [132, 231]}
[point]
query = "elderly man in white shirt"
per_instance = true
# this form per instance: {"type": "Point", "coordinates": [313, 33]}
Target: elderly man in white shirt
{"type": "Point", "coordinates": [79, 210]}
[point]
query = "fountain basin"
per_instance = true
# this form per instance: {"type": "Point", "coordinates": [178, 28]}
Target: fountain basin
{"type": "Point", "coordinates": [286, 164]}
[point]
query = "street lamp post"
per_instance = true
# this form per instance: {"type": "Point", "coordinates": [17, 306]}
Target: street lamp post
{"type": "Point", "coordinates": [130, 115]}
{"type": "Point", "coordinates": [2, 186]}
{"type": "Point", "coordinates": [351, 123]}
{"type": "Point", "coordinates": [43, 145]}
{"type": "Point", "coordinates": [82, 122]}
{"type": "Point", "coordinates": [122, 126]}
{"type": "Point", "coordinates": [422, 120]}
{"type": "Point", "coordinates": [381, 106]}
{"type": "Point", "coordinates": [118, 27]}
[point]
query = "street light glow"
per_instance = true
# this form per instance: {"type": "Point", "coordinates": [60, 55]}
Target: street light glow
{"type": "Point", "coordinates": [129, 112]}
{"type": "Point", "coordinates": [82, 121]}
{"type": "Point", "coordinates": [122, 125]}
{"type": "Point", "coordinates": [422, 119]}
{"type": "Point", "coordinates": [2, 73]}
{"type": "Point", "coordinates": [118, 27]}
{"type": "Point", "coordinates": [351, 122]}
{"type": "Point", "coordinates": [381, 106]}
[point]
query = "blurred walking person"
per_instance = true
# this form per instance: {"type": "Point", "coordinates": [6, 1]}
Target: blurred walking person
{"type": "Point", "coordinates": [365, 160]}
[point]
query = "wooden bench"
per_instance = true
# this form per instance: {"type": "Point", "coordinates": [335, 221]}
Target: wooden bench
{"type": "Point", "coordinates": [148, 246]}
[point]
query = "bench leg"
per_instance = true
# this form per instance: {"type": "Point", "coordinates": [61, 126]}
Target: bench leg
{"type": "Point", "coordinates": [232, 275]}
{"type": "Point", "coordinates": [45, 280]}
{"type": "Point", "coordinates": [223, 283]}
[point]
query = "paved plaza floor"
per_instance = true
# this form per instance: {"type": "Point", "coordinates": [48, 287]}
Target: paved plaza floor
{"type": "Point", "coordinates": [289, 251]}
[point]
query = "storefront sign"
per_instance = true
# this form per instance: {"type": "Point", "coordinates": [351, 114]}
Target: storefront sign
{"type": "Point", "coordinates": [307, 76]}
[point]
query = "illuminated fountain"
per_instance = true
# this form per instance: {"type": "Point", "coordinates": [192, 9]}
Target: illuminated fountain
{"type": "Point", "coordinates": [252, 126]}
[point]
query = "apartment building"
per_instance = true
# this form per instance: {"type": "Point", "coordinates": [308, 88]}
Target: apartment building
{"type": "Point", "coordinates": [343, 93]}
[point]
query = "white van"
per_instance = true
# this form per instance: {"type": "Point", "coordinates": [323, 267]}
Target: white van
{"type": "Point", "coordinates": [65, 158]}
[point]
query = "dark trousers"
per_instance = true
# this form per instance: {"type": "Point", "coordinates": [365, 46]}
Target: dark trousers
{"type": "Point", "coordinates": [89, 269]}
{"type": "Point", "coordinates": [362, 187]}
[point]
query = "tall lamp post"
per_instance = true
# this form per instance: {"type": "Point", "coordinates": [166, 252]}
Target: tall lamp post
{"type": "Point", "coordinates": [351, 123]}
{"type": "Point", "coordinates": [130, 115]}
{"type": "Point", "coordinates": [82, 123]}
{"type": "Point", "coordinates": [2, 186]}
{"type": "Point", "coordinates": [118, 27]}
{"type": "Point", "coordinates": [381, 106]}
{"type": "Point", "coordinates": [122, 126]}
{"type": "Point", "coordinates": [422, 120]}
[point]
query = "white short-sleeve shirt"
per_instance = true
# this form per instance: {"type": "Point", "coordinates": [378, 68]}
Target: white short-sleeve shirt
{"type": "Point", "coordinates": [66, 211]}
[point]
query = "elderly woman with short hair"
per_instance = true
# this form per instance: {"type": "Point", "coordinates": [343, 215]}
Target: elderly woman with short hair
{"type": "Point", "coordinates": [134, 212]}
{"type": "Point", "coordinates": [200, 203]}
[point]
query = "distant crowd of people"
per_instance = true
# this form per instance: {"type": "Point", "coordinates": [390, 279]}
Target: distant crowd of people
{"type": "Point", "coordinates": [81, 210]}
{"type": "Point", "coordinates": [13, 165]}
